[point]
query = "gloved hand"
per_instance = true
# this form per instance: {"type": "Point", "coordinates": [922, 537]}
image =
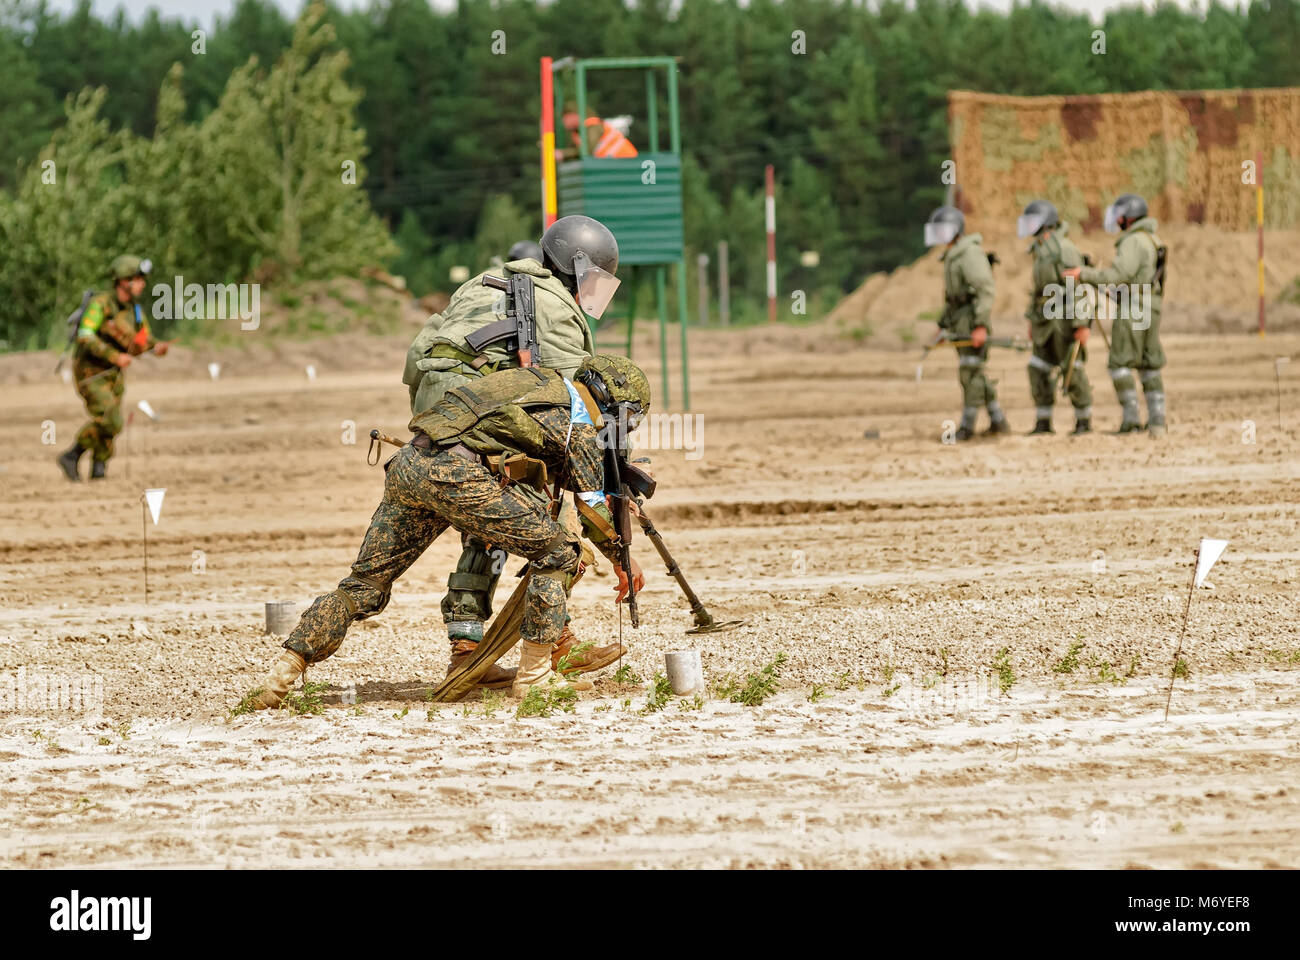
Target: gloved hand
{"type": "Point", "coordinates": [1081, 334]}
{"type": "Point", "coordinates": [978, 336]}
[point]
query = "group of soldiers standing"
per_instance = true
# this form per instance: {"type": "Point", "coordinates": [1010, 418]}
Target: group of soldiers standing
{"type": "Point", "coordinates": [1060, 313]}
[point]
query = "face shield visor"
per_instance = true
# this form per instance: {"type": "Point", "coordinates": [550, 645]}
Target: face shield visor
{"type": "Point", "coordinates": [1112, 219]}
{"type": "Point", "coordinates": [595, 287]}
{"type": "Point", "coordinates": [938, 234]}
{"type": "Point", "coordinates": [1028, 224]}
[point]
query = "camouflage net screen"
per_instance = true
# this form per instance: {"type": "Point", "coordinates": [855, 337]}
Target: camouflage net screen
{"type": "Point", "coordinates": [1184, 152]}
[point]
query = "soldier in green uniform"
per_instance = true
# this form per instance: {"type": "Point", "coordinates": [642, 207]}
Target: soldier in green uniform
{"type": "Point", "coordinates": [113, 329]}
{"type": "Point", "coordinates": [1134, 284]}
{"type": "Point", "coordinates": [440, 360]}
{"type": "Point", "coordinates": [968, 302]}
{"type": "Point", "coordinates": [442, 479]}
{"type": "Point", "coordinates": [1054, 331]}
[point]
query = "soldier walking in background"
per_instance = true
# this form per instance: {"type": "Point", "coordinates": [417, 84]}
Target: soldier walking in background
{"type": "Point", "coordinates": [1059, 338]}
{"type": "Point", "coordinates": [113, 329]}
{"type": "Point", "coordinates": [1134, 283]}
{"type": "Point", "coordinates": [968, 302]}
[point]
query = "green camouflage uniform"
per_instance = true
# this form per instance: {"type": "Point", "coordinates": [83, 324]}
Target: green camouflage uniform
{"type": "Point", "coordinates": [439, 360]}
{"type": "Point", "coordinates": [1053, 337]}
{"type": "Point", "coordinates": [1135, 332]}
{"type": "Point", "coordinates": [425, 491]}
{"type": "Point", "coordinates": [108, 328]}
{"type": "Point", "coordinates": [968, 297]}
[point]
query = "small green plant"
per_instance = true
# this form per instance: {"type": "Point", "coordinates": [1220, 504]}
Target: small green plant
{"type": "Point", "coordinates": [603, 708]}
{"type": "Point", "coordinates": [1002, 664]}
{"type": "Point", "coordinates": [1070, 662]}
{"type": "Point", "coordinates": [247, 705]}
{"type": "Point", "coordinates": [1182, 670]}
{"type": "Point", "coordinates": [544, 699]}
{"type": "Point", "coordinates": [626, 676]}
{"type": "Point", "coordinates": [492, 702]}
{"type": "Point", "coordinates": [105, 741]}
{"type": "Point", "coordinates": [842, 680]}
{"type": "Point", "coordinates": [890, 687]}
{"type": "Point", "coordinates": [943, 661]}
{"type": "Point", "coordinates": [358, 711]}
{"type": "Point", "coordinates": [818, 692]}
{"type": "Point", "coordinates": [306, 702]}
{"type": "Point", "coordinates": [430, 713]}
{"type": "Point", "coordinates": [1105, 673]}
{"type": "Point", "coordinates": [657, 697]}
{"type": "Point", "coordinates": [565, 667]}
{"type": "Point", "coordinates": [694, 703]}
{"type": "Point", "coordinates": [404, 711]}
{"type": "Point", "coordinates": [1133, 666]}
{"type": "Point", "coordinates": [1178, 828]}
{"type": "Point", "coordinates": [124, 728]}
{"type": "Point", "coordinates": [758, 686]}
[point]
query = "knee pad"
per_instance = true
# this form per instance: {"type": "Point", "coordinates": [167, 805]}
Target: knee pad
{"type": "Point", "coordinates": [364, 597]}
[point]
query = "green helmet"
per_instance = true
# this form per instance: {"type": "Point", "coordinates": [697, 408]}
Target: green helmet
{"type": "Point", "coordinates": [127, 266]}
{"type": "Point", "coordinates": [614, 381]}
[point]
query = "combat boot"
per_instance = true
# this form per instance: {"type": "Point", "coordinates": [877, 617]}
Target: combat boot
{"type": "Point", "coordinates": [1129, 426]}
{"type": "Point", "coordinates": [999, 428]}
{"type": "Point", "coordinates": [1042, 425]}
{"type": "Point", "coordinates": [535, 670]}
{"type": "Point", "coordinates": [1155, 429]}
{"type": "Point", "coordinates": [495, 677]}
{"type": "Point", "coordinates": [964, 433]}
{"type": "Point", "coordinates": [1082, 425]}
{"type": "Point", "coordinates": [70, 461]}
{"type": "Point", "coordinates": [97, 469]}
{"type": "Point", "coordinates": [284, 673]}
{"type": "Point", "coordinates": [593, 658]}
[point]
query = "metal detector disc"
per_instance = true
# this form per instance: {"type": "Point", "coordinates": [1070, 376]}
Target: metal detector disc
{"type": "Point", "coordinates": [715, 627]}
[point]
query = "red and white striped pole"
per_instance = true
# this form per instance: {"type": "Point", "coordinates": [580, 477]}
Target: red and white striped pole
{"type": "Point", "coordinates": [770, 177]}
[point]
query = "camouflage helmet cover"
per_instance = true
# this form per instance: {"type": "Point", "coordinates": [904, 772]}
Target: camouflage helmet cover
{"type": "Point", "coordinates": [622, 380]}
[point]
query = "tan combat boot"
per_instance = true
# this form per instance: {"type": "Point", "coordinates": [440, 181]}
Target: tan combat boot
{"type": "Point", "coordinates": [535, 669]}
{"type": "Point", "coordinates": [593, 658]}
{"type": "Point", "coordinates": [284, 673]}
{"type": "Point", "coordinates": [496, 675]}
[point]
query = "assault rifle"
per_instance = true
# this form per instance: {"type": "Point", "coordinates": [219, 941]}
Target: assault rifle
{"type": "Point", "coordinates": [942, 340]}
{"type": "Point", "coordinates": [520, 324]}
{"type": "Point", "coordinates": [625, 482]}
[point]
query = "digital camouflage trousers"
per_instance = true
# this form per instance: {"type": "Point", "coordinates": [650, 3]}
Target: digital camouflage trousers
{"type": "Point", "coordinates": [424, 494]}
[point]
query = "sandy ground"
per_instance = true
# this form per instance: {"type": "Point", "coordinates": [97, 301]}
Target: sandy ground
{"type": "Point", "coordinates": [895, 572]}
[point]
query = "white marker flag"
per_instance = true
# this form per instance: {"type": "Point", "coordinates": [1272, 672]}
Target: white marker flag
{"type": "Point", "coordinates": [1209, 552]}
{"type": "Point", "coordinates": [154, 498]}
{"type": "Point", "coordinates": [147, 409]}
{"type": "Point", "coordinates": [311, 372]}
{"type": "Point", "coordinates": [214, 370]}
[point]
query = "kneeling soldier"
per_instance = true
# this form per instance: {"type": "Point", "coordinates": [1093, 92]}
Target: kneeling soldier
{"type": "Point", "coordinates": [441, 479]}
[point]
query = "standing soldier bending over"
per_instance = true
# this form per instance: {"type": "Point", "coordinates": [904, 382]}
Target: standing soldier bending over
{"type": "Point", "coordinates": [968, 301]}
{"type": "Point", "coordinates": [1136, 281]}
{"type": "Point", "coordinates": [441, 479]}
{"type": "Point", "coordinates": [1054, 339]}
{"type": "Point", "coordinates": [113, 330]}
{"type": "Point", "coordinates": [440, 359]}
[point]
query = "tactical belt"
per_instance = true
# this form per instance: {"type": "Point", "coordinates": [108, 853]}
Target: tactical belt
{"type": "Point", "coordinates": [424, 443]}
{"type": "Point", "coordinates": [477, 362]}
